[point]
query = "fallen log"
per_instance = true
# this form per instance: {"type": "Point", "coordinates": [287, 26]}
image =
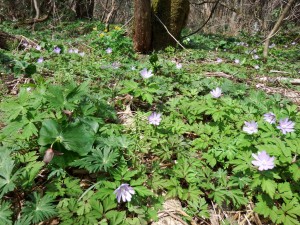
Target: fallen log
{"type": "Point", "coordinates": [9, 41]}
{"type": "Point", "coordinates": [280, 79]}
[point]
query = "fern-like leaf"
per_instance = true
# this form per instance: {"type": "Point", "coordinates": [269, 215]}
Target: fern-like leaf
{"type": "Point", "coordinates": [7, 177]}
{"type": "Point", "coordinates": [40, 208]}
{"type": "Point", "coordinates": [5, 213]}
{"type": "Point", "coordinates": [24, 220]}
{"type": "Point", "coordinates": [101, 159]}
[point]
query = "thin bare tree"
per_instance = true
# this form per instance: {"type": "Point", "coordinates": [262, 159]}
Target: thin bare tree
{"type": "Point", "coordinates": [276, 27]}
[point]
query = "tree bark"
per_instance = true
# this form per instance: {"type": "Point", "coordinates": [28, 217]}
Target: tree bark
{"type": "Point", "coordinates": [276, 27]}
{"type": "Point", "coordinates": [173, 14]}
{"type": "Point", "coordinates": [6, 40]}
{"type": "Point", "coordinates": [142, 26]}
{"type": "Point", "coordinates": [84, 9]}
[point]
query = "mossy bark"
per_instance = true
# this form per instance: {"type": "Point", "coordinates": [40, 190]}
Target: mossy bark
{"type": "Point", "coordinates": [8, 41]}
{"type": "Point", "coordinates": [173, 14]}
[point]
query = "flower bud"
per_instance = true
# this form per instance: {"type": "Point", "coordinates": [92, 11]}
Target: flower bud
{"type": "Point", "coordinates": [48, 155]}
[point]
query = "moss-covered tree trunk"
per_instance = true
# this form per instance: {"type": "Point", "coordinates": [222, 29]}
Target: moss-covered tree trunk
{"type": "Point", "coordinates": [173, 14]}
{"type": "Point", "coordinates": [142, 26]}
{"type": "Point", "coordinates": [7, 40]}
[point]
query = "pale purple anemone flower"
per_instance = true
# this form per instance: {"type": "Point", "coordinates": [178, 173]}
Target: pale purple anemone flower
{"type": "Point", "coordinates": [250, 127]}
{"type": "Point", "coordinates": [82, 54]}
{"type": "Point", "coordinates": [146, 73]}
{"type": "Point", "coordinates": [125, 192]}
{"type": "Point", "coordinates": [293, 43]}
{"type": "Point", "coordinates": [270, 117]}
{"type": "Point", "coordinates": [76, 51]}
{"type": "Point", "coordinates": [216, 93]}
{"type": "Point", "coordinates": [56, 50]}
{"type": "Point", "coordinates": [255, 57]}
{"type": "Point", "coordinates": [178, 66]}
{"type": "Point", "coordinates": [263, 161]}
{"type": "Point", "coordinates": [40, 60]}
{"type": "Point", "coordinates": [286, 126]}
{"type": "Point", "coordinates": [71, 50]}
{"type": "Point", "coordinates": [272, 45]}
{"type": "Point", "coordinates": [154, 118]}
{"type": "Point", "coordinates": [25, 44]}
{"type": "Point", "coordinates": [219, 60]}
{"type": "Point", "coordinates": [116, 65]}
{"type": "Point", "coordinates": [256, 67]}
{"type": "Point", "coordinates": [236, 61]}
{"type": "Point", "coordinates": [108, 50]}
{"type": "Point", "coordinates": [38, 48]}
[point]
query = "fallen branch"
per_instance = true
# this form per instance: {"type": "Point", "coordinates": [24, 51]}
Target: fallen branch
{"type": "Point", "coordinates": [293, 81]}
{"type": "Point", "coordinates": [277, 71]}
{"type": "Point", "coordinates": [34, 20]}
{"type": "Point", "coordinates": [261, 83]}
{"type": "Point", "coordinates": [279, 79]}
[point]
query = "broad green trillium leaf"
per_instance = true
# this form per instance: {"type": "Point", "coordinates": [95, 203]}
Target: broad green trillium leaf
{"type": "Point", "coordinates": [77, 138]}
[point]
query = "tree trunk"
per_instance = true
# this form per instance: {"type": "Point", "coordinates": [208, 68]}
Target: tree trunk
{"type": "Point", "coordinates": [276, 27]}
{"type": "Point", "coordinates": [173, 14]}
{"type": "Point", "coordinates": [84, 9]}
{"type": "Point", "coordinates": [142, 26]}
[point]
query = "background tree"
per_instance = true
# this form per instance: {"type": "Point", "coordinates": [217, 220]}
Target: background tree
{"type": "Point", "coordinates": [277, 26]}
{"type": "Point", "coordinates": [142, 26]}
{"type": "Point", "coordinates": [84, 9]}
{"type": "Point", "coordinates": [168, 19]}
{"type": "Point", "coordinates": [173, 14]}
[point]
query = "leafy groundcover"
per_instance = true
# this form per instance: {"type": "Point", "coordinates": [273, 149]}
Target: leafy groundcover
{"type": "Point", "coordinates": [93, 133]}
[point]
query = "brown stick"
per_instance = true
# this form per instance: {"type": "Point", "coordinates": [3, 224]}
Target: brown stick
{"type": "Point", "coordinates": [37, 9]}
{"type": "Point", "coordinates": [112, 10]}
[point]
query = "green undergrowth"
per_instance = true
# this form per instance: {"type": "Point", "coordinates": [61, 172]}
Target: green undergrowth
{"type": "Point", "coordinates": [80, 127]}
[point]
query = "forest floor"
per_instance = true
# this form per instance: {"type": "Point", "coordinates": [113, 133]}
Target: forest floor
{"type": "Point", "coordinates": [190, 165]}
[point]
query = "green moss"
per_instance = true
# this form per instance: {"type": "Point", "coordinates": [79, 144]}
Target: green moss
{"type": "Point", "coordinates": [174, 14]}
